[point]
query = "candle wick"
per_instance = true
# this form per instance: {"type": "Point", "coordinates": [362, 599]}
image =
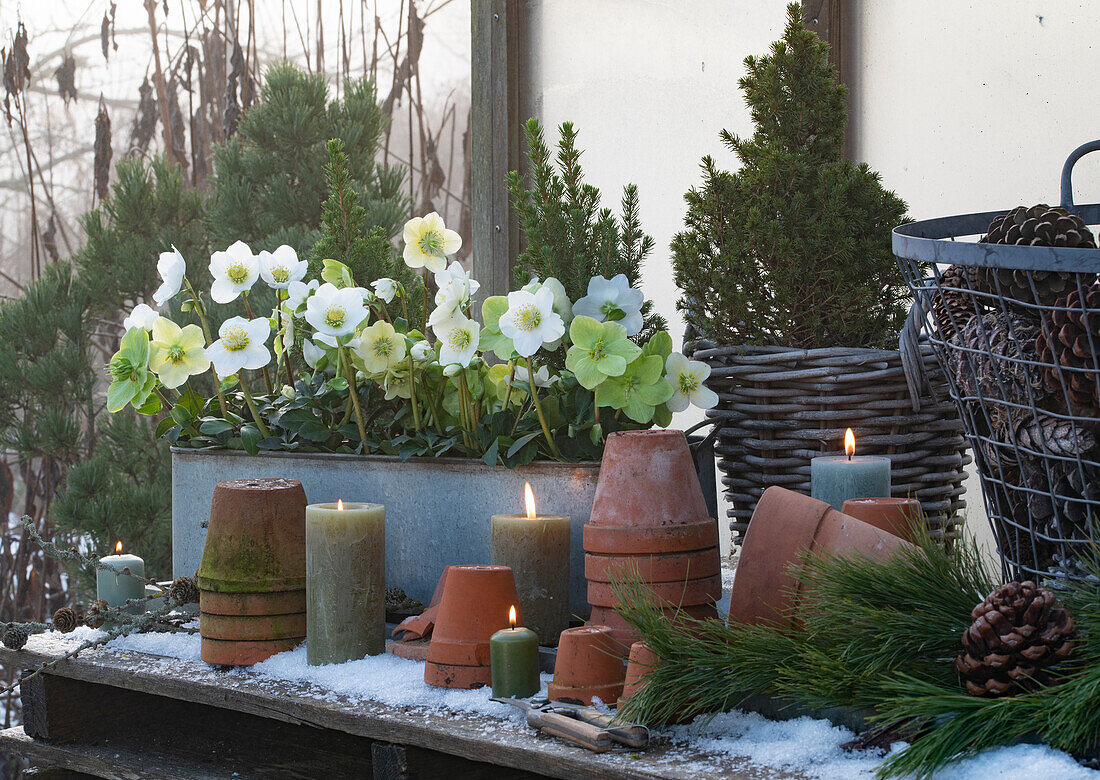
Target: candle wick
{"type": "Point", "coordinates": [849, 457]}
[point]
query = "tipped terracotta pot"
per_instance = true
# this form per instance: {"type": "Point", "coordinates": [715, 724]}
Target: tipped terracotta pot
{"type": "Point", "coordinates": [420, 626]}
{"type": "Point", "coordinates": [784, 526]}
{"type": "Point", "coordinates": [247, 604]}
{"type": "Point", "coordinates": [256, 628]}
{"type": "Point", "coordinates": [475, 604]}
{"type": "Point", "coordinates": [242, 652]}
{"type": "Point", "coordinates": [624, 634]}
{"type": "Point", "coordinates": [689, 593]}
{"type": "Point", "coordinates": [588, 666]}
{"type": "Point", "coordinates": [641, 661]}
{"type": "Point", "coordinates": [899, 516]}
{"type": "Point", "coordinates": [255, 542]}
{"type": "Point", "coordinates": [648, 498]}
{"type": "Point", "coordinates": [656, 567]}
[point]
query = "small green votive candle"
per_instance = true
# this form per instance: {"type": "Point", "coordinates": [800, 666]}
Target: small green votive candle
{"type": "Point", "coordinates": [514, 661]}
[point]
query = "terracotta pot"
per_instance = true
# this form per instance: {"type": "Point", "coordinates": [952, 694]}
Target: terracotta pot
{"type": "Point", "coordinates": [243, 652]}
{"type": "Point", "coordinates": [648, 498]}
{"type": "Point", "coordinates": [474, 605]}
{"type": "Point", "coordinates": [456, 676]}
{"type": "Point", "coordinates": [625, 635]}
{"type": "Point", "coordinates": [641, 661]}
{"type": "Point", "coordinates": [686, 594]}
{"type": "Point", "coordinates": [256, 628]}
{"type": "Point", "coordinates": [588, 665]}
{"type": "Point", "coordinates": [277, 603]}
{"type": "Point", "coordinates": [421, 626]}
{"type": "Point", "coordinates": [255, 542]}
{"type": "Point", "coordinates": [784, 526]}
{"type": "Point", "coordinates": [899, 516]}
{"type": "Point", "coordinates": [670, 567]}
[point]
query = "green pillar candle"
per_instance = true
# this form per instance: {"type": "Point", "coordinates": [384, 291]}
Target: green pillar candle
{"type": "Point", "coordinates": [514, 661]}
{"type": "Point", "coordinates": [116, 587]}
{"type": "Point", "coordinates": [345, 582]}
{"type": "Point", "coordinates": [536, 547]}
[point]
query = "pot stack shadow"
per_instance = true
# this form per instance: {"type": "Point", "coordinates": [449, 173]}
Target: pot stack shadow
{"type": "Point", "coordinates": [649, 521]}
{"type": "Point", "coordinates": [252, 579]}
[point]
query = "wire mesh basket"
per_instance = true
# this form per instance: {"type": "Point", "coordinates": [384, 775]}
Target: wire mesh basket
{"type": "Point", "coordinates": [1017, 332]}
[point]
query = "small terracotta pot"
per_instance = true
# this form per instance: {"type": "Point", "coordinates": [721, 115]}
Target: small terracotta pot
{"type": "Point", "coordinates": [899, 516]}
{"type": "Point", "coordinates": [648, 498]}
{"type": "Point", "coordinates": [247, 604]}
{"type": "Point", "coordinates": [784, 526]}
{"type": "Point", "coordinates": [243, 652]}
{"type": "Point", "coordinates": [668, 567]}
{"type": "Point", "coordinates": [255, 542]}
{"type": "Point", "coordinates": [420, 626]}
{"type": "Point", "coordinates": [474, 605]}
{"type": "Point", "coordinates": [588, 665]}
{"type": "Point", "coordinates": [687, 594]}
{"type": "Point", "coordinates": [256, 628]}
{"type": "Point", "coordinates": [624, 633]}
{"type": "Point", "coordinates": [641, 661]}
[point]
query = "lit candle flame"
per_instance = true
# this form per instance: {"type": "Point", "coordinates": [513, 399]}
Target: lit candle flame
{"type": "Point", "coordinates": [529, 498]}
{"type": "Point", "coordinates": [512, 616]}
{"type": "Point", "coordinates": [118, 547]}
{"type": "Point", "coordinates": [849, 443]}
{"type": "Point", "coordinates": [339, 505]}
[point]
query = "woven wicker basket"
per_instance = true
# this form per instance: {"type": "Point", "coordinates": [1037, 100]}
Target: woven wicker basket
{"type": "Point", "coordinates": [779, 407]}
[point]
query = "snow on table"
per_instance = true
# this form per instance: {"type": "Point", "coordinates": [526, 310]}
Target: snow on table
{"type": "Point", "coordinates": [801, 747]}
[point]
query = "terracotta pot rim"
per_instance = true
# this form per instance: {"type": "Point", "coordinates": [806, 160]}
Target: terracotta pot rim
{"type": "Point", "coordinates": [252, 604]}
{"type": "Point", "coordinates": [467, 677]}
{"type": "Point", "coordinates": [607, 693]}
{"type": "Point", "coordinates": [618, 539]}
{"type": "Point", "coordinates": [221, 652]}
{"type": "Point", "coordinates": [689, 593]}
{"type": "Point", "coordinates": [252, 627]}
{"type": "Point", "coordinates": [655, 567]}
{"type": "Point", "coordinates": [453, 652]}
{"type": "Point", "coordinates": [251, 586]}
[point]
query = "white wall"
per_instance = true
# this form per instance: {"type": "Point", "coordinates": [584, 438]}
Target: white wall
{"type": "Point", "coordinates": [649, 84]}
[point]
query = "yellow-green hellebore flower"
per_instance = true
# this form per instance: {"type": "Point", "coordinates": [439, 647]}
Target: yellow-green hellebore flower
{"type": "Point", "coordinates": [131, 381]}
{"type": "Point", "coordinates": [177, 352]}
{"type": "Point", "coordinates": [600, 350]}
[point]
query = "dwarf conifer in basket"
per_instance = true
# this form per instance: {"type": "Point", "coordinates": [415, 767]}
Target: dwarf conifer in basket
{"type": "Point", "coordinates": [792, 249]}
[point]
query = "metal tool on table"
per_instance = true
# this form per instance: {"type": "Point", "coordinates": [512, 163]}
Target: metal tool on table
{"type": "Point", "coordinates": [584, 726]}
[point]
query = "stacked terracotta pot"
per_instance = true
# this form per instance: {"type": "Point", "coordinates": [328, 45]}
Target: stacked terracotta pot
{"type": "Point", "coordinates": [475, 605]}
{"type": "Point", "coordinates": [252, 579]}
{"type": "Point", "coordinates": [649, 518]}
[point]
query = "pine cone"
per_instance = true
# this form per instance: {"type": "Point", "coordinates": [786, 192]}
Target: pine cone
{"type": "Point", "coordinates": [1019, 635]}
{"type": "Point", "coordinates": [1040, 225]}
{"type": "Point", "coordinates": [65, 620]}
{"type": "Point", "coordinates": [1074, 332]}
{"type": "Point", "coordinates": [184, 590]}
{"type": "Point", "coordinates": [97, 614]}
{"type": "Point", "coordinates": [15, 636]}
{"type": "Point", "coordinates": [1053, 435]}
{"type": "Point", "coordinates": [1077, 495]}
{"type": "Point", "coordinates": [952, 305]}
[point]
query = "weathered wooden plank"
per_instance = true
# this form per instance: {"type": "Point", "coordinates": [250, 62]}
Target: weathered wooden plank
{"type": "Point", "coordinates": [476, 738]}
{"type": "Point", "coordinates": [830, 19]}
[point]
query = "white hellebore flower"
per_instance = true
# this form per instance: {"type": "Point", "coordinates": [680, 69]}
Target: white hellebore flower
{"type": "Point", "coordinates": [542, 376]}
{"type": "Point", "coordinates": [531, 321]}
{"type": "Point", "coordinates": [288, 392]}
{"type": "Point", "coordinates": [171, 268]}
{"type": "Point", "coordinates": [235, 271]}
{"type": "Point", "coordinates": [428, 243]}
{"type": "Point", "coordinates": [281, 267]}
{"type": "Point", "coordinates": [297, 293]}
{"type": "Point", "coordinates": [421, 351]}
{"type": "Point", "coordinates": [612, 299]}
{"type": "Point", "coordinates": [687, 377]}
{"type": "Point", "coordinates": [312, 353]}
{"type": "Point", "coordinates": [458, 338]}
{"type": "Point", "coordinates": [380, 347]}
{"type": "Point", "coordinates": [240, 345]}
{"type": "Point", "coordinates": [454, 293]}
{"type": "Point", "coordinates": [143, 316]}
{"type": "Point", "coordinates": [385, 288]}
{"type": "Point", "coordinates": [334, 312]}
{"type": "Point", "coordinates": [561, 299]}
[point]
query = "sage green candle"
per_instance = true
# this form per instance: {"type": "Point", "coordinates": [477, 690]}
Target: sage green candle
{"type": "Point", "coordinates": [536, 547]}
{"type": "Point", "coordinates": [345, 582]}
{"type": "Point", "coordinates": [514, 662]}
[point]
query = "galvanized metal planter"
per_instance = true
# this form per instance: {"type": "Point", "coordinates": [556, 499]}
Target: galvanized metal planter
{"type": "Point", "coordinates": [437, 509]}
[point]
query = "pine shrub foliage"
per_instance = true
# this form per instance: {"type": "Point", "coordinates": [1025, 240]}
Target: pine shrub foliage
{"type": "Point", "coordinates": [792, 249]}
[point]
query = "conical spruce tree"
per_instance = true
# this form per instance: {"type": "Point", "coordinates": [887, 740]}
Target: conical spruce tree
{"type": "Point", "coordinates": [269, 179]}
{"type": "Point", "coordinates": [793, 248]}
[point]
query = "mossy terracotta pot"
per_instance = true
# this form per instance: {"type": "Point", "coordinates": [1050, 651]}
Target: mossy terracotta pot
{"type": "Point", "coordinates": [641, 662]}
{"type": "Point", "coordinates": [254, 628]}
{"type": "Point", "coordinates": [285, 602]}
{"type": "Point", "coordinates": [243, 652]}
{"type": "Point", "coordinates": [785, 526]}
{"type": "Point", "coordinates": [588, 666]}
{"type": "Point", "coordinates": [255, 542]}
{"type": "Point", "coordinates": [899, 516]}
{"type": "Point", "coordinates": [475, 604]}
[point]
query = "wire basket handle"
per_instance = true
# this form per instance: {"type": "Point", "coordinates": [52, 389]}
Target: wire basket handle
{"type": "Point", "coordinates": [1067, 172]}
